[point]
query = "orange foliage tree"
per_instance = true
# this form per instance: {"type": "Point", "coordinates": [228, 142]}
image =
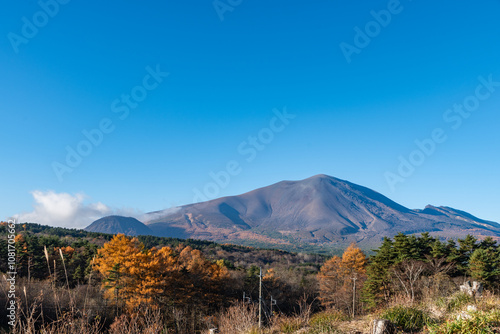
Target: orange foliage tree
{"type": "Point", "coordinates": [338, 276]}
{"type": "Point", "coordinates": [134, 275]}
{"type": "Point", "coordinates": [119, 261]}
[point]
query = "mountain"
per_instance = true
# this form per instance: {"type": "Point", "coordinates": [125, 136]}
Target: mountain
{"type": "Point", "coordinates": [118, 224]}
{"type": "Point", "coordinates": [321, 210]}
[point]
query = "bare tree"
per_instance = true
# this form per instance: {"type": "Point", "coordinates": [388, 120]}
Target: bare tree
{"type": "Point", "coordinates": [439, 265]}
{"type": "Point", "coordinates": [407, 273]}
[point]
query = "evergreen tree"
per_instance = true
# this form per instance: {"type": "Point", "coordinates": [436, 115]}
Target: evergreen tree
{"type": "Point", "coordinates": [489, 244]}
{"type": "Point", "coordinates": [425, 245]}
{"type": "Point", "coordinates": [466, 247]}
{"type": "Point", "coordinates": [406, 247]}
{"type": "Point", "coordinates": [438, 249]}
{"type": "Point", "coordinates": [453, 256]}
{"type": "Point", "coordinates": [377, 286]}
{"type": "Point", "coordinates": [484, 266]}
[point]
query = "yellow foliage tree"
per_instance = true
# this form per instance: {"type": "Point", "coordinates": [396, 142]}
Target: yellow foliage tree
{"type": "Point", "coordinates": [338, 276]}
{"type": "Point", "coordinates": [120, 262]}
{"type": "Point", "coordinates": [354, 261]}
{"type": "Point", "coordinates": [203, 278]}
{"type": "Point", "coordinates": [136, 275]}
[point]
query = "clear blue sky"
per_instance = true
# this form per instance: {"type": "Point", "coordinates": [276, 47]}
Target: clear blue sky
{"type": "Point", "coordinates": [353, 119]}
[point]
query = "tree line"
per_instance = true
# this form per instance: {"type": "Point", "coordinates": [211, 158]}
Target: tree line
{"type": "Point", "coordinates": [414, 267]}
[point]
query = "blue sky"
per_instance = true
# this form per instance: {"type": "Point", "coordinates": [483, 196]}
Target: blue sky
{"type": "Point", "coordinates": [232, 67]}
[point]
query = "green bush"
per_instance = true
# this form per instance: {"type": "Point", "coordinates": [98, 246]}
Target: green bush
{"type": "Point", "coordinates": [290, 325]}
{"type": "Point", "coordinates": [476, 322]}
{"type": "Point", "coordinates": [408, 319]}
{"type": "Point", "coordinates": [325, 322]}
{"type": "Point", "coordinates": [458, 301]}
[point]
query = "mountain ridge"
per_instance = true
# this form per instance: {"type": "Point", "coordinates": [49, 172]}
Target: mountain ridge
{"type": "Point", "coordinates": [320, 210]}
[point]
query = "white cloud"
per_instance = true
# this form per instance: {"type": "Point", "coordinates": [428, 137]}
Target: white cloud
{"type": "Point", "coordinates": [66, 210]}
{"type": "Point", "coordinates": [147, 217]}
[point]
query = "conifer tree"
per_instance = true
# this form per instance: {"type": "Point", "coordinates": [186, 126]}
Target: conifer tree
{"type": "Point", "coordinates": [378, 286]}
{"type": "Point", "coordinates": [484, 266]}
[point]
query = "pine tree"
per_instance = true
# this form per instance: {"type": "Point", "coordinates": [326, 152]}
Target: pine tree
{"type": "Point", "coordinates": [484, 266]}
{"type": "Point", "coordinates": [377, 287]}
{"type": "Point", "coordinates": [407, 247]}
{"type": "Point", "coordinates": [438, 249]}
{"type": "Point", "coordinates": [466, 247]}
{"type": "Point", "coordinates": [425, 245]}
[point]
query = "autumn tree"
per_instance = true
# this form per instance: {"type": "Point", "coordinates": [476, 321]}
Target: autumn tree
{"type": "Point", "coordinates": [196, 279]}
{"type": "Point", "coordinates": [338, 276]}
{"type": "Point", "coordinates": [162, 277]}
{"type": "Point", "coordinates": [119, 262]}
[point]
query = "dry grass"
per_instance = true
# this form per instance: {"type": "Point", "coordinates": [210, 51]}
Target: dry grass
{"type": "Point", "coordinates": [142, 322]}
{"type": "Point", "coordinates": [358, 325]}
{"type": "Point", "coordinates": [44, 309]}
{"type": "Point", "coordinates": [240, 318]}
{"type": "Point", "coordinates": [28, 322]}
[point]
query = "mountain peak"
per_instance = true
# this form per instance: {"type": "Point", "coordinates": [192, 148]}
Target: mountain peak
{"type": "Point", "coordinates": [321, 176]}
{"type": "Point", "coordinates": [118, 224]}
{"type": "Point", "coordinates": [320, 210]}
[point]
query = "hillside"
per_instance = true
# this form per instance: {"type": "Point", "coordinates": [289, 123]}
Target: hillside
{"type": "Point", "coordinates": [319, 211]}
{"type": "Point", "coordinates": [118, 224]}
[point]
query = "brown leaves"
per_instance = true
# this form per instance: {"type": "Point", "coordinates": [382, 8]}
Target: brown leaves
{"type": "Point", "coordinates": [337, 274]}
{"type": "Point", "coordinates": [353, 262]}
{"type": "Point", "coordinates": [137, 275]}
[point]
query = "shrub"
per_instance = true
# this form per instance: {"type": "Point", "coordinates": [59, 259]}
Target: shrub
{"type": "Point", "coordinates": [488, 302]}
{"type": "Point", "coordinates": [327, 317]}
{"type": "Point", "coordinates": [458, 301]}
{"type": "Point", "coordinates": [477, 322]}
{"type": "Point", "coordinates": [325, 322]}
{"type": "Point", "coordinates": [290, 325]}
{"type": "Point", "coordinates": [142, 322]}
{"type": "Point", "coordinates": [408, 319]}
{"type": "Point", "coordinates": [238, 319]}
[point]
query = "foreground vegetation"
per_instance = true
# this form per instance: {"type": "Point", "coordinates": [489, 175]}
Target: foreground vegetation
{"type": "Point", "coordinates": [72, 281]}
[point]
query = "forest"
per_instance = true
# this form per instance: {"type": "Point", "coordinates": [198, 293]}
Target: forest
{"type": "Point", "coordinates": [72, 281]}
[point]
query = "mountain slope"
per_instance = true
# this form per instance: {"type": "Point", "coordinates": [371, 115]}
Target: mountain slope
{"type": "Point", "coordinates": [321, 210]}
{"type": "Point", "coordinates": [118, 224]}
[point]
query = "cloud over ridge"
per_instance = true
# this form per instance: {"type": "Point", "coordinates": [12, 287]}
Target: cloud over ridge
{"type": "Point", "coordinates": [67, 210]}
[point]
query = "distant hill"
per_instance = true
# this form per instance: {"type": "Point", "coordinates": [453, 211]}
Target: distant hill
{"type": "Point", "coordinates": [118, 224]}
{"type": "Point", "coordinates": [319, 211]}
